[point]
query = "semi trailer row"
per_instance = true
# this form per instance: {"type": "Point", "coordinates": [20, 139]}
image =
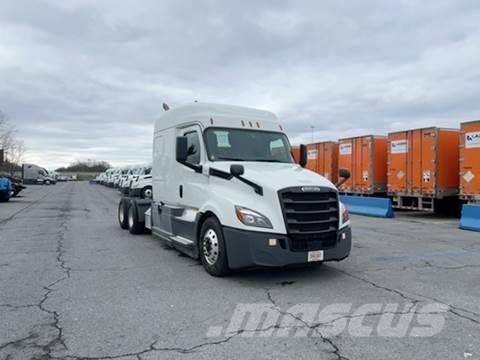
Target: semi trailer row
{"type": "Point", "coordinates": [416, 168]}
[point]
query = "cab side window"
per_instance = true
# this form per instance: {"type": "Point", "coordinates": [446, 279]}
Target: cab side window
{"type": "Point", "coordinates": [193, 143]}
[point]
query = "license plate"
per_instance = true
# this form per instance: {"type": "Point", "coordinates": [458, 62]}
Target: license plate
{"type": "Point", "coordinates": [314, 256]}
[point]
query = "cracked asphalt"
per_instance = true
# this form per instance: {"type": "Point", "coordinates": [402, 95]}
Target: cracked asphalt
{"type": "Point", "coordinates": [73, 285]}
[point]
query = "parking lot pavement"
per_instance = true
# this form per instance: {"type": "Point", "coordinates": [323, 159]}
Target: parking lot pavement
{"type": "Point", "coordinates": [73, 285]}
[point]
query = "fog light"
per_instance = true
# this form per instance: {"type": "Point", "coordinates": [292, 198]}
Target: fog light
{"type": "Point", "coordinates": [272, 242]}
{"type": "Point", "coordinates": [344, 236]}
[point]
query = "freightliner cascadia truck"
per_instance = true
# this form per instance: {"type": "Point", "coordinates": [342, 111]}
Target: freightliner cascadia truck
{"type": "Point", "coordinates": [227, 191]}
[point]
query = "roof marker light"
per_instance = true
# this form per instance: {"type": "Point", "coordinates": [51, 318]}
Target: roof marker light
{"type": "Point", "coordinates": [243, 123]}
{"type": "Point", "coordinates": [280, 126]}
{"type": "Point", "coordinates": [258, 125]}
{"type": "Point", "coordinates": [250, 123]}
{"type": "Point", "coordinates": [211, 121]}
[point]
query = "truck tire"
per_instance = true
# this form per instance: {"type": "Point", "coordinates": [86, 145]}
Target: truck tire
{"type": "Point", "coordinates": [47, 182]}
{"type": "Point", "coordinates": [147, 192]}
{"type": "Point", "coordinates": [123, 213]}
{"type": "Point", "coordinates": [134, 226]}
{"type": "Point", "coordinates": [212, 248]}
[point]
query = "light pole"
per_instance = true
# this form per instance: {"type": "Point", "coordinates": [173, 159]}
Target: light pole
{"type": "Point", "coordinates": [312, 127]}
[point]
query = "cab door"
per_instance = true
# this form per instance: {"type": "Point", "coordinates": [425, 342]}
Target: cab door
{"type": "Point", "coordinates": [192, 186]}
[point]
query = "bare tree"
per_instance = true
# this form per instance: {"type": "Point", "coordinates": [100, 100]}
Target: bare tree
{"type": "Point", "coordinates": [14, 149]}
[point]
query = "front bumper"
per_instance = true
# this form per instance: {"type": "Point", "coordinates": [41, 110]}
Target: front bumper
{"type": "Point", "coordinates": [248, 249]}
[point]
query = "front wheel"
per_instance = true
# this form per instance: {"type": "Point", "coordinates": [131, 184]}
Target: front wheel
{"type": "Point", "coordinates": [213, 253]}
{"type": "Point", "coordinates": [147, 192]}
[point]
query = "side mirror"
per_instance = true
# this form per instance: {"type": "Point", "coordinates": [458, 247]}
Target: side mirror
{"type": "Point", "coordinates": [237, 170]}
{"type": "Point", "coordinates": [181, 149]}
{"type": "Point", "coordinates": [303, 155]}
{"type": "Point", "coordinates": [345, 175]}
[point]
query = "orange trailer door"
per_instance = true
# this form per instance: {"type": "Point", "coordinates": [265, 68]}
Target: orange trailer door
{"type": "Point", "coordinates": [345, 158]}
{"type": "Point", "coordinates": [427, 176]}
{"type": "Point", "coordinates": [312, 157]}
{"type": "Point", "coordinates": [365, 171]}
{"type": "Point", "coordinates": [397, 162]}
{"type": "Point", "coordinates": [470, 158]}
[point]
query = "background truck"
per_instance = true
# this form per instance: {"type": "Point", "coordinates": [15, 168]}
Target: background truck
{"type": "Point", "coordinates": [34, 174]}
{"type": "Point", "coordinates": [6, 189]}
{"type": "Point", "coordinates": [226, 190]}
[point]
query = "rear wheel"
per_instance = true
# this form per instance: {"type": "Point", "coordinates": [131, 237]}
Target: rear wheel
{"type": "Point", "coordinates": [123, 213]}
{"type": "Point", "coordinates": [134, 225]}
{"type": "Point", "coordinates": [212, 248]}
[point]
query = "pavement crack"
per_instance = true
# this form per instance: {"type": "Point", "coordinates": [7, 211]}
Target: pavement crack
{"type": "Point", "coordinates": [452, 309]}
{"type": "Point", "coordinates": [31, 340]}
{"type": "Point", "coordinates": [335, 348]}
{"type": "Point", "coordinates": [375, 285]}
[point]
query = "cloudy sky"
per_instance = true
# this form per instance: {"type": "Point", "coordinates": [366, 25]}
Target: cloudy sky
{"type": "Point", "coordinates": [84, 79]}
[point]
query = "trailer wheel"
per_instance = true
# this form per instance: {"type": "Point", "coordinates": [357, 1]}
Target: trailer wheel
{"type": "Point", "coordinates": [147, 192]}
{"type": "Point", "coordinates": [123, 213]}
{"type": "Point", "coordinates": [212, 248]}
{"type": "Point", "coordinates": [4, 196]}
{"type": "Point", "coordinates": [134, 226]}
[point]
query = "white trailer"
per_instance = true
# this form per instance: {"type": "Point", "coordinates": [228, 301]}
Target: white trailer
{"type": "Point", "coordinates": [226, 190]}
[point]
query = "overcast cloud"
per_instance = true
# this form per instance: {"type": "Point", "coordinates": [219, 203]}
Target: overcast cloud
{"type": "Point", "coordinates": [85, 79]}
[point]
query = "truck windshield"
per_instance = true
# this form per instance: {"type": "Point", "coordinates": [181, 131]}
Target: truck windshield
{"type": "Point", "coordinates": [225, 144]}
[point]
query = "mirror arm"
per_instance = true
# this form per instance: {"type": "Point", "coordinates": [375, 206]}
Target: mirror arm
{"type": "Point", "coordinates": [227, 176]}
{"type": "Point", "coordinates": [197, 168]}
{"type": "Point", "coordinates": [341, 182]}
{"type": "Point", "coordinates": [219, 173]}
{"type": "Point", "coordinates": [258, 189]}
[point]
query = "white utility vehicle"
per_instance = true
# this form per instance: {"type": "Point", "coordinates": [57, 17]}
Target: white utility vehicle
{"type": "Point", "coordinates": [119, 175]}
{"type": "Point", "coordinates": [226, 190]}
{"type": "Point", "coordinates": [141, 185]}
{"type": "Point", "coordinates": [113, 176]}
{"type": "Point", "coordinates": [126, 172]}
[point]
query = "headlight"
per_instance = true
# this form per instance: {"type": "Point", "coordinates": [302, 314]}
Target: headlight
{"type": "Point", "coordinates": [252, 218]}
{"type": "Point", "coordinates": [344, 215]}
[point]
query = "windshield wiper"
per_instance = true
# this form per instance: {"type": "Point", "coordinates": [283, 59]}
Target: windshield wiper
{"type": "Point", "coordinates": [231, 159]}
{"type": "Point", "coordinates": [269, 160]}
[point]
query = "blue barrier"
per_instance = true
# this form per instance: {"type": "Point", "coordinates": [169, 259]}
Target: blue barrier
{"type": "Point", "coordinates": [370, 206]}
{"type": "Point", "coordinates": [470, 219]}
{"type": "Point", "coordinates": [5, 189]}
{"type": "Point", "coordinates": [92, 181]}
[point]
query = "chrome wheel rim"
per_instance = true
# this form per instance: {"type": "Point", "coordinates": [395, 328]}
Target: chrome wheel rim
{"type": "Point", "coordinates": [210, 246]}
{"type": "Point", "coordinates": [130, 217]}
{"type": "Point", "coordinates": [147, 193]}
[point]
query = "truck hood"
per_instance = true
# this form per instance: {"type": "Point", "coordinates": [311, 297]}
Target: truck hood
{"type": "Point", "coordinates": [276, 176]}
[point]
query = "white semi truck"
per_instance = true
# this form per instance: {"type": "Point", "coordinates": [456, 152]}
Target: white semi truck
{"type": "Point", "coordinates": [226, 190]}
